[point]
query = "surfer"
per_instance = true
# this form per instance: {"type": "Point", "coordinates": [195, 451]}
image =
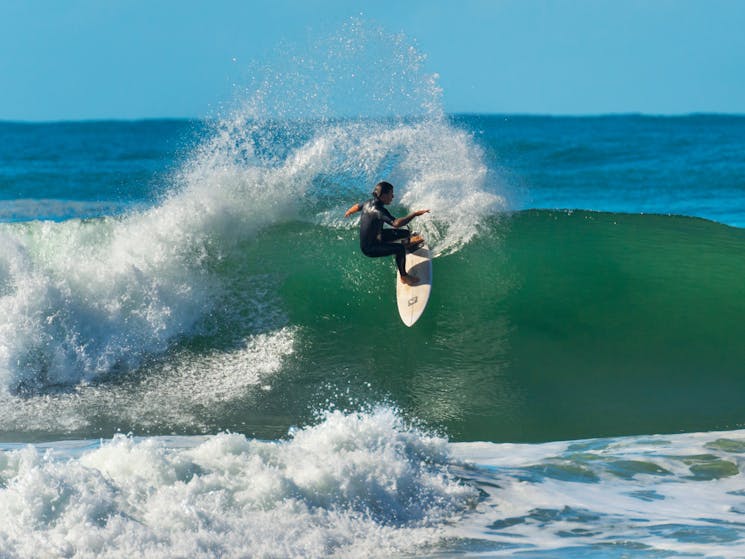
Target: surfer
{"type": "Point", "coordinates": [376, 241]}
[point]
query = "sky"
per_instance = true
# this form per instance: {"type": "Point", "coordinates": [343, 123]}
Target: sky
{"type": "Point", "coordinates": [133, 59]}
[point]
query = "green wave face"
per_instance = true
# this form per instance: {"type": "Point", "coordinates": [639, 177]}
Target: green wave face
{"type": "Point", "coordinates": [547, 325]}
{"type": "Point", "coordinates": [550, 325]}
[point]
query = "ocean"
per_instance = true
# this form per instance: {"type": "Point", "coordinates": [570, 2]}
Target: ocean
{"type": "Point", "coordinates": [197, 361]}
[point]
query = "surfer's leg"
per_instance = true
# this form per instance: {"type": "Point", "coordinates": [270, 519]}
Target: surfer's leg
{"type": "Point", "coordinates": [388, 249]}
{"type": "Point", "coordinates": [400, 253]}
{"type": "Point", "coordinates": [409, 240]}
{"type": "Point", "coordinates": [401, 261]}
{"type": "Point", "coordinates": [391, 235]}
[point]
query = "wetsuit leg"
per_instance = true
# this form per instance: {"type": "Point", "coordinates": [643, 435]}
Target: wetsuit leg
{"type": "Point", "coordinates": [388, 249]}
{"type": "Point", "coordinates": [390, 235]}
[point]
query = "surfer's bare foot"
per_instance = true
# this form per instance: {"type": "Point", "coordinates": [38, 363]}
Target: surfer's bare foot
{"type": "Point", "coordinates": [408, 279]}
{"type": "Point", "coordinates": [414, 243]}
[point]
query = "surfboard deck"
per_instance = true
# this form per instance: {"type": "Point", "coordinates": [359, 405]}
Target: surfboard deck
{"type": "Point", "coordinates": [412, 299]}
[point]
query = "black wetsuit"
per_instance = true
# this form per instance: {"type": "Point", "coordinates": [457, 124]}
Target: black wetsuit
{"type": "Point", "coordinates": [376, 241]}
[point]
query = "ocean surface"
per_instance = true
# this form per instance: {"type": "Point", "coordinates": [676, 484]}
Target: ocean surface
{"type": "Point", "coordinates": [197, 361]}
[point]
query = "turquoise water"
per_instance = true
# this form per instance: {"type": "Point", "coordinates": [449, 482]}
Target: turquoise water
{"type": "Point", "coordinates": [196, 360]}
{"type": "Point", "coordinates": [158, 292]}
{"type": "Point", "coordinates": [540, 319]}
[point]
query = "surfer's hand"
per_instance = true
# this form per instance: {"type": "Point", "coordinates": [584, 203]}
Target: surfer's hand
{"type": "Point", "coordinates": [420, 212]}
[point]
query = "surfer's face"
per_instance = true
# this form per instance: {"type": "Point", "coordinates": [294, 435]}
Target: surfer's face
{"type": "Point", "coordinates": [387, 197]}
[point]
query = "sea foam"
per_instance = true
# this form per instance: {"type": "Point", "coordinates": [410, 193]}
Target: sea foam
{"type": "Point", "coordinates": [638, 496]}
{"type": "Point", "coordinates": [355, 485]}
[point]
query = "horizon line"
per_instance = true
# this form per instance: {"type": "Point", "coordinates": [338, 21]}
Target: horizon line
{"type": "Point", "coordinates": [638, 114]}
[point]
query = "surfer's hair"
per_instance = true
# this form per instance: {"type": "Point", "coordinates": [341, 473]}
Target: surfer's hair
{"type": "Point", "coordinates": [381, 188]}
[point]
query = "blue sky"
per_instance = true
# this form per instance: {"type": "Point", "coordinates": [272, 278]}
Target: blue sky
{"type": "Point", "coordinates": [91, 59]}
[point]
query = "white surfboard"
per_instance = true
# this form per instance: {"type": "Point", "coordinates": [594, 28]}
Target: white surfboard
{"type": "Point", "coordinates": [412, 299]}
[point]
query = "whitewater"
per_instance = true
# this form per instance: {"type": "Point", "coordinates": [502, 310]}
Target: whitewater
{"type": "Point", "coordinates": [196, 360]}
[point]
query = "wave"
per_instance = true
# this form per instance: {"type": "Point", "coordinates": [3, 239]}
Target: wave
{"type": "Point", "coordinates": [83, 299]}
{"type": "Point", "coordinates": [542, 318]}
{"type": "Point", "coordinates": [368, 483]}
{"type": "Point", "coordinates": [245, 278]}
{"type": "Point", "coordinates": [354, 485]}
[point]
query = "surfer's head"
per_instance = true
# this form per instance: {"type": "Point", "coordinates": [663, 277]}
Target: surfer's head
{"type": "Point", "coordinates": [383, 191]}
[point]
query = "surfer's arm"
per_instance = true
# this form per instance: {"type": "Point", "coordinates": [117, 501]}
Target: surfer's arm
{"type": "Point", "coordinates": [401, 221]}
{"type": "Point", "coordinates": [353, 210]}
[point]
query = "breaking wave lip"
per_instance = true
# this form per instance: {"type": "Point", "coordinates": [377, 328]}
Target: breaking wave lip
{"type": "Point", "coordinates": [355, 485]}
{"type": "Point", "coordinates": [432, 164]}
{"type": "Point", "coordinates": [82, 299]}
